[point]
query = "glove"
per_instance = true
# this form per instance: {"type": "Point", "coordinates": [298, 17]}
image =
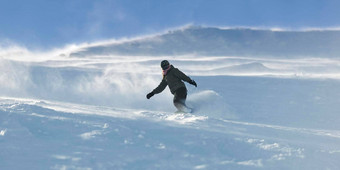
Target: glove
{"type": "Point", "coordinates": [193, 83]}
{"type": "Point", "coordinates": [148, 96]}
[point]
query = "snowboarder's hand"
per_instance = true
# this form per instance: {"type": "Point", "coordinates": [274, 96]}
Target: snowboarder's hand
{"type": "Point", "coordinates": [193, 83]}
{"type": "Point", "coordinates": [148, 96]}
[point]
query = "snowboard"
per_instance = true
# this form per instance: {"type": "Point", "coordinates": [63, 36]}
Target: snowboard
{"type": "Point", "coordinates": [185, 110]}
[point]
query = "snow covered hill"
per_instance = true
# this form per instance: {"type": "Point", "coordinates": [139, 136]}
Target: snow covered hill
{"type": "Point", "coordinates": [212, 41]}
{"type": "Point", "coordinates": [82, 108]}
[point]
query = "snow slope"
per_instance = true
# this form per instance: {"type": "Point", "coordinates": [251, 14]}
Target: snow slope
{"type": "Point", "coordinates": [61, 111]}
{"type": "Point", "coordinates": [212, 41]}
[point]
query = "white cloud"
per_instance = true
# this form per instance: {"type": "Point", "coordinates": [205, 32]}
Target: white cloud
{"type": "Point", "coordinates": [255, 163]}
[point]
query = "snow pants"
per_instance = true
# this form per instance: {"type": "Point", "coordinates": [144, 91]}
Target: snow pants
{"type": "Point", "coordinates": [179, 98]}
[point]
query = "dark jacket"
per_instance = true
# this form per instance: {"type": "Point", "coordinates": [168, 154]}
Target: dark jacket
{"type": "Point", "coordinates": [173, 79]}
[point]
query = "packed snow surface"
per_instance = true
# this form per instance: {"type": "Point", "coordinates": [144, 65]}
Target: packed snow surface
{"type": "Point", "coordinates": [62, 111]}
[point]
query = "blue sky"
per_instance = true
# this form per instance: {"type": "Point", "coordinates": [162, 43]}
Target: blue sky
{"type": "Point", "coordinates": [54, 23]}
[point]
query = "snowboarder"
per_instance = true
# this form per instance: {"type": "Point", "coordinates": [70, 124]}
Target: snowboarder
{"type": "Point", "coordinates": [173, 77]}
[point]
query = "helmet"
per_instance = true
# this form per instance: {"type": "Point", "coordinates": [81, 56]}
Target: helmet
{"type": "Point", "coordinates": [165, 64]}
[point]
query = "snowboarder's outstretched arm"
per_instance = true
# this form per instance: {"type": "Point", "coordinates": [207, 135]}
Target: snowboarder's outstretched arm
{"type": "Point", "coordinates": [184, 77]}
{"type": "Point", "coordinates": [158, 89]}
